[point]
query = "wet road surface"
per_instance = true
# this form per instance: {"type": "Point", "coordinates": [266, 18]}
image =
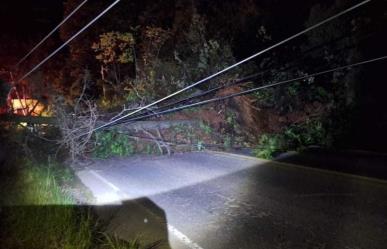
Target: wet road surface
{"type": "Point", "coordinates": [216, 200]}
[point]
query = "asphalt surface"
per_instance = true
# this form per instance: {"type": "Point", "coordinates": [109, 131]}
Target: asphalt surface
{"type": "Point", "coordinates": [210, 200]}
{"type": "Point", "coordinates": [361, 163]}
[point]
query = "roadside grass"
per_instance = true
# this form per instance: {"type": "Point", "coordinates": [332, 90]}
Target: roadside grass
{"type": "Point", "coordinates": [113, 242]}
{"type": "Point", "coordinates": [40, 215]}
{"type": "Point", "coordinates": [36, 213]}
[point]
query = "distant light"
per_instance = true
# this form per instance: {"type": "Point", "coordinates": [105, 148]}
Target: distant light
{"type": "Point", "coordinates": [29, 105]}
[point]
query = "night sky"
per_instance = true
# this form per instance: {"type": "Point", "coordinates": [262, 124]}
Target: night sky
{"type": "Point", "coordinates": [22, 18]}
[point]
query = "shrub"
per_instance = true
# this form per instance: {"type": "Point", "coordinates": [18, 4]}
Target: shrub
{"type": "Point", "coordinates": [206, 128]}
{"type": "Point", "coordinates": [112, 143]}
{"type": "Point", "coordinates": [227, 142]}
{"type": "Point", "coordinates": [269, 145]}
{"type": "Point", "coordinates": [311, 132]}
{"type": "Point", "coordinates": [295, 137]}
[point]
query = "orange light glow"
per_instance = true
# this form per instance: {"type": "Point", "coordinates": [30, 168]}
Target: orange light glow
{"type": "Point", "coordinates": [32, 106]}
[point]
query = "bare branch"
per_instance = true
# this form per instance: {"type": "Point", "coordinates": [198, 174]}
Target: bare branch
{"type": "Point", "coordinates": [154, 139]}
{"type": "Point", "coordinates": [76, 122]}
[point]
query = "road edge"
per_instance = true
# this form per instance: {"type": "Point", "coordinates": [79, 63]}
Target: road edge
{"type": "Point", "coordinates": [274, 163]}
{"type": "Point", "coordinates": [184, 239]}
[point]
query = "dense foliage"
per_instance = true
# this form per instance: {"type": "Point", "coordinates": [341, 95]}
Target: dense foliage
{"type": "Point", "coordinates": [143, 50]}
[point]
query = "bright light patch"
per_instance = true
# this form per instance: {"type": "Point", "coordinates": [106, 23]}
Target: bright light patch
{"type": "Point", "coordinates": [29, 105]}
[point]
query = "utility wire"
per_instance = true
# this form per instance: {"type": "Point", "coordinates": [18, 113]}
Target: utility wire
{"type": "Point", "coordinates": [52, 32]}
{"type": "Point", "coordinates": [253, 90]}
{"type": "Point", "coordinates": [250, 78]}
{"type": "Point", "coordinates": [69, 40]}
{"type": "Point", "coordinates": [253, 76]}
{"type": "Point", "coordinates": [237, 82]}
{"type": "Point", "coordinates": [244, 80]}
{"type": "Point", "coordinates": [233, 66]}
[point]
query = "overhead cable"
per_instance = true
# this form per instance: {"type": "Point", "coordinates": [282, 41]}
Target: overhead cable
{"type": "Point", "coordinates": [52, 32]}
{"type": "Point", "coordinates": [250, 78]}
{"type": "Point", "coordinates": [249, 91]}
{"type": "Point", "coordinates": [69, 40]}
{"type": "Point", "coordinates": [232, 66]}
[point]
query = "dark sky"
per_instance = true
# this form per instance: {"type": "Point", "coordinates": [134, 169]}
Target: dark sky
{"type": "Point", "coordinates": [26, 18]}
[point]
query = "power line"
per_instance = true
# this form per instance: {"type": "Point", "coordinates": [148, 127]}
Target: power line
{"type": "Point", "coordinates": [233, 66]}
{"type": "Point", "coordinates": [52, 32]}
{"type": "Point", "coordinates": [237, 82]}
{"type": "Point", "coordinates": [249, 78]}
{"type": "Point", "coordinates": [245, 79]}
{"type": "Point", "coordinates": [69, 40]}
{"type": "Point", "coordinates": [204, 102]}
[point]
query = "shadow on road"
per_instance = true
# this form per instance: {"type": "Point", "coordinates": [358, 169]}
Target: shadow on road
{"type": "Point", "coordinates": [31, 226]}
{"type": "Point", "coordinates": [360, 163]}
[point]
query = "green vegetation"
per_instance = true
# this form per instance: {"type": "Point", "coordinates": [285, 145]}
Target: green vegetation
{"type": "Point", "coordinates": [112, 143]}
{"type": "Point", "coordinates": [294, 137]}
{"type": "Point", "coordinates": [227, 142]}
{"type": "Point", "coordinates": [41, 184]}
{"type": "Point", "coordinates": [151, 149]}
{"type": "Point", "coordinates": [139, 63]}
{"type": "Point", "coordinates": [169, 47]}
{"type": "Point", "coordinates": [114, 47]}
{"type": "Point", "coordinates": [230, 130]}
{"type": "Point", "coordinates": [265, 97]}
{"type": "Point", "coordinates": [150, 50]}
{"type": "Point", "coordinates": [113, 242]}
{"type": "Point", "coordinates": [40, 215]}
{"type": "Point", "coordinates": [37, 213]}
{"type": "Point", "coordinates": [37, 209]}
{"type": "Point", "coordinates": [269, 145]}
{"type": "Point", "coordinates": [205, 127]}
{"type": "Point", "coordinates": [231, 120]}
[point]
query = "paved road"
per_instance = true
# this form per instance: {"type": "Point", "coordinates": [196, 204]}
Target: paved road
{"type": "Point", "coordinates": [209, 200]}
